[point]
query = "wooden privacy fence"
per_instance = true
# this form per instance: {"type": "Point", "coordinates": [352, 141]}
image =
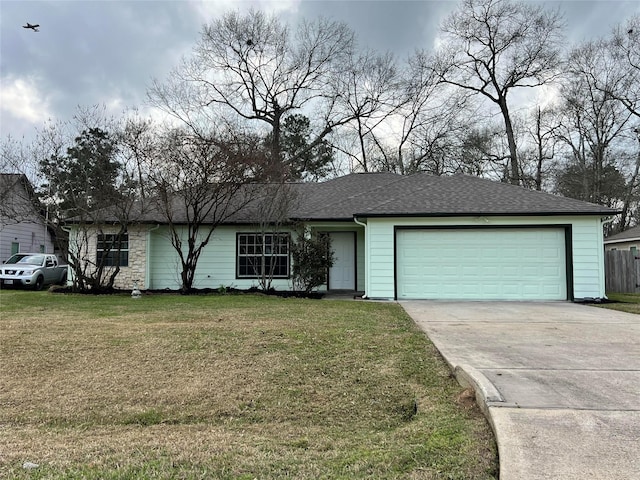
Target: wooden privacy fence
{"type": "Point", "coordinates": [622, 271]}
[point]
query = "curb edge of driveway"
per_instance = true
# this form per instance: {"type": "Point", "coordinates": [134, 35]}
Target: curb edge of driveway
{"type": "Point", "coordinates": [487, 395]}
{"type": "Point", "coordinates": [486, 392]}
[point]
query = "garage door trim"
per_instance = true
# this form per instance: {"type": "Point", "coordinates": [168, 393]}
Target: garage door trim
{"type": "Point", "coordinates": [567, 245]}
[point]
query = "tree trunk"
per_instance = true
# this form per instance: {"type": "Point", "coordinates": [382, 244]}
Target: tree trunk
{"type": "Point", "coordinates": [540, 152]}
{"type": "Point", "coordinates": [598, 164]}
{"type": "Point", "coordinates": [513, 151]}
{"type": "Point", "coordinates": [277, 167]}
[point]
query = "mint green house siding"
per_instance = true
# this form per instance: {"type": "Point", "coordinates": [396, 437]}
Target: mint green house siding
{"type": "Point", "coordinates": [584, 235]}
{"type": "Point", "coordinates": [588, 259]}
{"type": "Point", "coordinates": [217, 263]}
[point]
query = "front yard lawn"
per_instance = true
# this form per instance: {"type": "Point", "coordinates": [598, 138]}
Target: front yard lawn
{"type": "Point", "coordinates": [228, 387]}
{"type": "Point", "coordinates": [625, 302]}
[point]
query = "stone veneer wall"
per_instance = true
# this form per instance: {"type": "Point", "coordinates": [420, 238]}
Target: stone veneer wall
{"type": "Point", "coordinates": [137, 260]}
{"type": "Point", "coordinates": [137, 257]}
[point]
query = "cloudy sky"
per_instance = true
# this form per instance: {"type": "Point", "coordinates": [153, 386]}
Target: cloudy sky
{"type": "Point", "coordinates": [106, 52]}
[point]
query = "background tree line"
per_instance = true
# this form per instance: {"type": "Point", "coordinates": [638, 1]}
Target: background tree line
{"type": "Point", "coordinates": [502, 97]}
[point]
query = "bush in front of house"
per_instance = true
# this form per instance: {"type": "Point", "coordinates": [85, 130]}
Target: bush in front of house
{"type": "Point", "coordinates": [312, 257]}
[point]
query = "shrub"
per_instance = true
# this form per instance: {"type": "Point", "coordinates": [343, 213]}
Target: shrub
{"type": "Point", "coordinates": [312, 257]}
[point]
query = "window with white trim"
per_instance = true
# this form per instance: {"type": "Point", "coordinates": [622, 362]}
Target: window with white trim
{"type": "Point", "coordinates": [113, 250]}
{"type": "Point", "coordinates": [262, 254]}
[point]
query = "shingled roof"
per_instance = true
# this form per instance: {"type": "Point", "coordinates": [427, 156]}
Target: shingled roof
{"type": "Point", "coordinates": [423, 195]}
{"type": "Point", "coordinates": [628, 235]}
{"type": "Point", "coordinates": [386, 195]}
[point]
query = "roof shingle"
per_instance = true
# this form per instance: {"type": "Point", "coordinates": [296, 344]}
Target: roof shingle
{"type": "Point", "coordinates": [632, 233]}
{"type": "Point", "coordinates": [427, 195]}
{"type": "Point", "coordinates": [389, 194]}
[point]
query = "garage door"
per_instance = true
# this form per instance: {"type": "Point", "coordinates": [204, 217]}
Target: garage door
{"type": "Point", "coordinates": [481, 264]}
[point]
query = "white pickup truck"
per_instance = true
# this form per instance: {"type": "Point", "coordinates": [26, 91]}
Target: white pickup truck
{"type": "Point", "coordinates": [34, 270]}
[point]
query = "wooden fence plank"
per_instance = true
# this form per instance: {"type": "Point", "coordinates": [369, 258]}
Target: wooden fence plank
{"type": "Point", "coordinates": [622, 271]}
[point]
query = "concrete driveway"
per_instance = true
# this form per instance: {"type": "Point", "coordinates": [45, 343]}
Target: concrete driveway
{"type": "Point", "coordinates": [559, 382]}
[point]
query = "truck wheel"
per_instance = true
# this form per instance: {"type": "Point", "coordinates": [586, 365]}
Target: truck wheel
{"type": "Point", "coordinates": [63, 280]}
{"type": "Point", "coordinates": [39, 283]}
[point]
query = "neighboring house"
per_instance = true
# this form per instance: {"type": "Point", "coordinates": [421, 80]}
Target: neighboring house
{"type": "Point", "coordinates": [627, 240]}
{"type": "Point", "coordinates": [401, 237]}
{"type": "Point", "coordinates": [22, 226]}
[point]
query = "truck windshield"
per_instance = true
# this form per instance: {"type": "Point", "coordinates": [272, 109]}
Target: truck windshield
{"type": "Point", "coordinates": [28, 259]}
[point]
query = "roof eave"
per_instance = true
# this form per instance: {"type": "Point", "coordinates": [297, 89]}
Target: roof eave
{"type": "Point", "coordinates": [622, 240]}
{"type": "Point", "coordinates": [323, 219]}
{"type": "Point", "coordinates": [484, 214]}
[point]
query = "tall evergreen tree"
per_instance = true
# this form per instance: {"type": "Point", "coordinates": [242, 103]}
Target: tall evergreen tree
{"type": "Point", "coordinates": [86, 177]}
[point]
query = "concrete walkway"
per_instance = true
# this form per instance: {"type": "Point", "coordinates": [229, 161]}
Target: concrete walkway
{"type": "Point", "coordinates": [559, 382]}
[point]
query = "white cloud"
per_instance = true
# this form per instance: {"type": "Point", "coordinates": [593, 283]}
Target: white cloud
{"type": "Point", "coordinates": [115, 105]}
{"type": "Point", "coordinates": [209, 9]}
{"type": "Point", "coordinates": [548, 96]}
{"type": "Point", "coordinates": [21, 98]}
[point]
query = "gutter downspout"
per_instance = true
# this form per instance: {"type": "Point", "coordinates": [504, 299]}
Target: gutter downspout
{"type": "Point", "coordinates": [366, 256]}
{"type": "Point", "coordinates": [607, 220]}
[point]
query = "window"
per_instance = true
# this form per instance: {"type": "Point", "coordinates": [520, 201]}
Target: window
{"type": "Point", "coordinates": [113, 250]}
{"type": "Point", "coordinates": [263, 255]}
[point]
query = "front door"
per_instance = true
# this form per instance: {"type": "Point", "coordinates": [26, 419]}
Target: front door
{"type": "Point", "coordinates": [342, 276]}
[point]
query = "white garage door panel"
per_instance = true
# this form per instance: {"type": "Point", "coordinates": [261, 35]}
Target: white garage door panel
{"type": "Point", "coordinates": [482, 264]}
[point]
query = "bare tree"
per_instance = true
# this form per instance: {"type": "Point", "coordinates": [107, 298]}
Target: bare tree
{"type": "Point", "coordinates": [138, 143]}
{"type": "Point", "coordinates": [493, 47]}
{"type": "Point", "coordinates": [277, 201]}
{"type": "Point", "coordinates": [592, 122]}
{"type": "Point", "coordinates": [483, 153]}
{"type": "Point", "coordinates": [18, 201]}
{"type": "Point", "coordinates": [417, 126]}
{"type": "Point", "coordinates": [199, 182]}
{"type": "Point", "coordinates": [611, 67]}
{"type": "Point", "coordinates": [14, 155]}
{"type": "Point", "coordinates": [624, 47]}
{"type": "Point", "coordinates": [369, 91]}
{"type": "Point", "coordinates": [252, 67]}
{"type": "Point", "coordinates": [632, 193]}
{"type": "Point", "coordinates": [541, 132]}
{"type": "Point", "coordinates": [433, 118]}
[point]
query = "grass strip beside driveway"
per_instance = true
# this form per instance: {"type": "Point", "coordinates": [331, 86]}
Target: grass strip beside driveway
{"type": "Point", "coordinates": [228, 387]}
{"type": "Point", "coordinates": [623, 302]}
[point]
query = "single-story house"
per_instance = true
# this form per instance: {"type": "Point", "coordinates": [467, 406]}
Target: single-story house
{"type": "Point", "coordinates": [403, 237]}
{"type": "Point", "coordinates": [22, 225]}
{"type": "Point", "coordinates": [627, 240]}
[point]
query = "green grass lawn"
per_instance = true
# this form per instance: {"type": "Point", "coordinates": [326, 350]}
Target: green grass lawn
{"type": "Point", "coordinates": [228, 387]}
{"type": "Point", "coordinates": [625, 302]}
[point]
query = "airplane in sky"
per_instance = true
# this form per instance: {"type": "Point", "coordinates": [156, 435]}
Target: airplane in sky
{"type": "Point", "coordinates": [32, 27]}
